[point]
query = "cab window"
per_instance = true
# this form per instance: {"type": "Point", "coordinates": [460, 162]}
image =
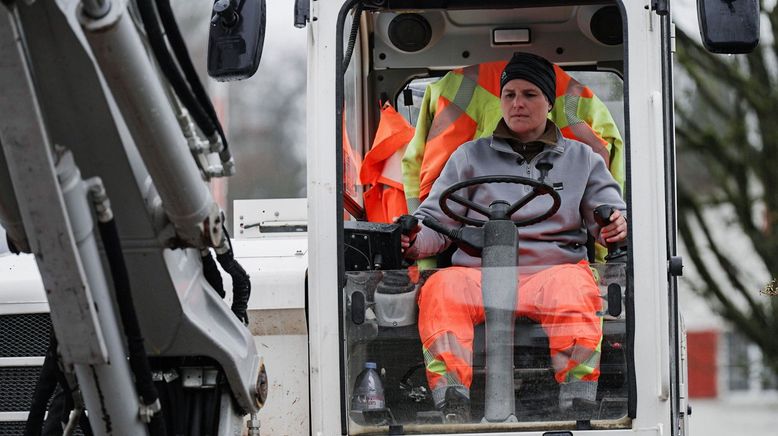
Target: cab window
{"type": "Point", "coordinates": [420, 352]}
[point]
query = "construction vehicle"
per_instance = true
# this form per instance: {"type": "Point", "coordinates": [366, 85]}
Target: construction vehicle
{"type": "Point", "coordinates": [103, 130]}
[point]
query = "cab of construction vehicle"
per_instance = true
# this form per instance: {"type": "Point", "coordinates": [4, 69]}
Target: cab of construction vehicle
{"type": "Point", "coordinates": [413, 82]}
{"type": "Point", "coordinates": [416, 85]}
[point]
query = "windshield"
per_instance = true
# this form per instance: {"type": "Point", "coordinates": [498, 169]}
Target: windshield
{"type": "Point", "coordinates": [459, 326]}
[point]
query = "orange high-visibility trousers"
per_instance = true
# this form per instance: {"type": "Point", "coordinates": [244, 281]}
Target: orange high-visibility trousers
{"type": "Point", "coordinates": [564, 299]}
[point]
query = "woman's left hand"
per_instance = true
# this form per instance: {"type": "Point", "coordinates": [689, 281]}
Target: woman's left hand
{"type": "Point", "coordinates": [615, 231]}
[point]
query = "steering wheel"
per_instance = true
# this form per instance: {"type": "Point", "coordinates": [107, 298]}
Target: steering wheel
{"type": "Point", "coordinates": [538, 189]}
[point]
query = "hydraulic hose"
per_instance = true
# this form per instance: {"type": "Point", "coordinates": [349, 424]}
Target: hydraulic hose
{"type": "Point", "coordinates": [170, 70]}
{"type": "Point", "coordinates": [241, 283]}
{"type": "Point", "coordinates": [173, 401]}
{"type": "Point", "coordinates": [47, 382]}
{"type": "Point", "coordinates": [60, 405]}
{"type": "Point", "coordinates": [352, 37]}
{"type": "Point", "coordinates": [139, 361]}
{"type": "Point", "coordinates": [185, 63]}
{"type": "Point", "coordinates": [69, 400]}
{"type": "Point", "coordinates": [211, 272]}
{"type": "Point", "coordinates": [196, 414]}
{"type": "Point", "coordinates": [83, 422]}
{"type": "Point", "coordinates": [11, 246]}
{"type": "Point", "coordinates": [210, 412]}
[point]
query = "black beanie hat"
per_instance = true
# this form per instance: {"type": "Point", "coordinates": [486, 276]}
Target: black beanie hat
{"type": "Point", "coordinates": [534, 69]}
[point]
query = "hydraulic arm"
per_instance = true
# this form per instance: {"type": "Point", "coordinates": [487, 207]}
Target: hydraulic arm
{"type": "Point", "coordinates": [108, 113]}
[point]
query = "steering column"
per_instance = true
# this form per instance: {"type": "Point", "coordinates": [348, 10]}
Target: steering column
{"type": "Point", "coordinates": [496, 241]}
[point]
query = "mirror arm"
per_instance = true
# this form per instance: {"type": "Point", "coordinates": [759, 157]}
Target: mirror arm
{"type": "Point", "coordinates": [661, 7]}
{"type": "Point", "coordinates": [302, 12]}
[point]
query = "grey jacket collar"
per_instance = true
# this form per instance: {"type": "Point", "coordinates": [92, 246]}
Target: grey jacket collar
{"type": "Point", "coordinates": [501, 145]}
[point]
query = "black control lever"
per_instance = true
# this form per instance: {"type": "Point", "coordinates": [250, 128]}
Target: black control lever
{"type": "Point", "coordinates": [407, 224]}
{"type": "Point", "coordinates": [617, 251]}
{"type": "Point", "coordinates": [469, 239]}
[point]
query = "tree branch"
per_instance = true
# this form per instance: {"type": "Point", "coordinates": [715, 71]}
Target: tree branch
{"type": "Point", "coordinates": [728, 268]}
{"type": "Point", "coordinates": [689, 51]}
{"type": "Point", "coordinates": [726, 306]}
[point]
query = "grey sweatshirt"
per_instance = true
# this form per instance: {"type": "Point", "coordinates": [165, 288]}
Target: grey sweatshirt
{"type": "Point", "coordinates": [579, 176]}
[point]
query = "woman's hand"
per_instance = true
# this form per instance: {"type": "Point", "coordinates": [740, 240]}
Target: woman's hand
{"type": "Point", "coordinates": [617, 230]}
{"type": "Point", "coordinates": [408, 238]}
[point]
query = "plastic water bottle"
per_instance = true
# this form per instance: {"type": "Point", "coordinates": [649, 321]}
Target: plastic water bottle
{"type": "Point", "coordinates": [368, 390]}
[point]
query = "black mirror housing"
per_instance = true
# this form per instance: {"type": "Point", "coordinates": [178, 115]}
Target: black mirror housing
{"type": "Point", "coordinates": [729, 26]}
{"type": "Point", "coordinates": [236, 38]}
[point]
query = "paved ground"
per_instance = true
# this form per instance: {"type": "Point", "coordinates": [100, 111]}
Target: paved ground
{"type": "Point", "coordinates": [733, 418]}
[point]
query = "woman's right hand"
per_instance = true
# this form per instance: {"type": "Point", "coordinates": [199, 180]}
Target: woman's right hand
{"type": "Point", "coordinates": [406, 241]}
{"type": "Point", "coordinates": [408, 237]}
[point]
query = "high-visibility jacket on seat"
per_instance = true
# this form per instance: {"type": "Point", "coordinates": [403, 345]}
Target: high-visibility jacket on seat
{"type": "Point", "coordinates": [465, 104]}
{"type": "Point", "coordinates": [382, 168]}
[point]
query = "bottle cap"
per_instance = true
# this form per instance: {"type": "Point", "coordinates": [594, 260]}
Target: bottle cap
{"type": "Point", "coordinates": [371, 365]}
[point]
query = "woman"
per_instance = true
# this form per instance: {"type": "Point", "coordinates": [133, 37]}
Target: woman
{"type": "Point", "coordinates": [557, 286]}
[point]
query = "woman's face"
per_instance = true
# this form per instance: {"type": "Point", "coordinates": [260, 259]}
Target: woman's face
{"type": "Point", "coordinates": [524, 109]}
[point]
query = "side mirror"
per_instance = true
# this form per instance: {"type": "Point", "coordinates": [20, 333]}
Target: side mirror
{"type": "Point", "coordinates": [729, 26]}
{"type": "Point", "coordinates": [236, 38]}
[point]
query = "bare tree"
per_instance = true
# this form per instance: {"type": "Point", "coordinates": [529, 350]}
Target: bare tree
{"type": "Point", "coordinates": [728, 155]}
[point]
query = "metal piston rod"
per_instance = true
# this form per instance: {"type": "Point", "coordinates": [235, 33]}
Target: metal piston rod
{"type": "Point", "coordinates": [138, 92]}
{"type": "Point", "coordinates": [113, 379]}
{"type": "Point", "coordinates": [55, 210]}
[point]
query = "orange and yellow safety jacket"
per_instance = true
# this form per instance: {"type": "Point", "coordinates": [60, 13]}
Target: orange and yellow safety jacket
{"type": "Point", "coordinates": [382, 168]}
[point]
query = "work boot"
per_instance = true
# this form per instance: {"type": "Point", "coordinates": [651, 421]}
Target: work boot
{"type": "Point", "coordinates": [570, 391]}
{"type": "Point", "coordinates": [577, 400]}
{"type": "Point", "coordinates": [456, 407]}
{"type": "Point", "coordinates": [582, 410]}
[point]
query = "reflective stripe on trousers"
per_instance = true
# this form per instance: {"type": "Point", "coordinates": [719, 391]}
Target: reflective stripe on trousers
{"type": "Point", "coordinates": [564, 299]}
